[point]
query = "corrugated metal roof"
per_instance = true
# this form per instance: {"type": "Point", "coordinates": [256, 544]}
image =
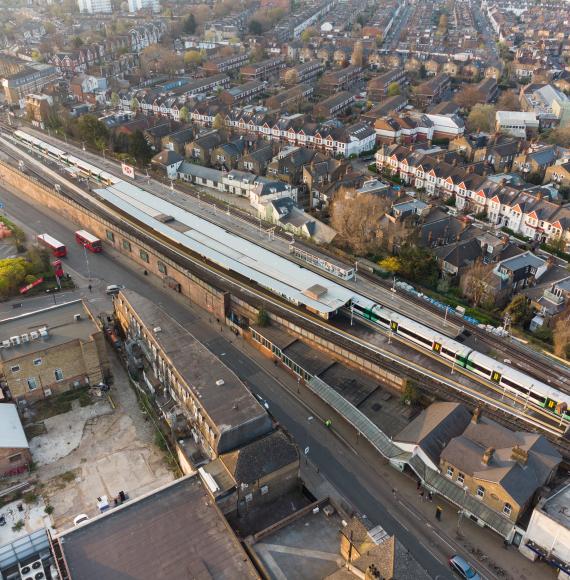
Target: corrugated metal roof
{"type": "Point", "coordinates": [228, 250]}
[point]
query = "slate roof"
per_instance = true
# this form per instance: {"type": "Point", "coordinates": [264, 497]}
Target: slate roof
{"type": "Point", "coordinates": [435, 427]}
{"type": "Point", "coordinates": [465, 452]}
{"type": "Point", "coordinates": [260, 458]}
{"type": "Point", "coordinates": [460, 254]}
{"type": "Point", "coordinates": [167, 157]}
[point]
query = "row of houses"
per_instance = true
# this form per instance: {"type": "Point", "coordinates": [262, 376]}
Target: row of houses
{"type": "Point", "coordinates": [523, 212]}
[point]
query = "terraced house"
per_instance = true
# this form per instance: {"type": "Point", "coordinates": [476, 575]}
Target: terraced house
{"type": "Point", "coordinates": [526, 213]}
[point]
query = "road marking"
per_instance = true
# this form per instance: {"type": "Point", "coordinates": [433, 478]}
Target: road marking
{"type": "Point", "coordinates": [409, 510]}
{"type": "Point", "coordinates": [443, 540]}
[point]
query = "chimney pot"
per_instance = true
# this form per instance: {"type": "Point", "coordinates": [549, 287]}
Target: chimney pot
{"type": "Point", "coordinates": [476, 415]}
{"type": "Point", "coordinates": [488, 455]}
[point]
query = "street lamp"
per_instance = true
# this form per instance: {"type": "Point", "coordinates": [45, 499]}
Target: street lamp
{"type": "Point", "coordinates": [87, 262]}
{"type": "Point", "coordinates": [462, 510]}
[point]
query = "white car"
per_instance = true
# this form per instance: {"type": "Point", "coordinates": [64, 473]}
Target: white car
{"type": "Point", "coordinates": [113, 289]}
{"type": "Point", "coordinates": [80, 519]}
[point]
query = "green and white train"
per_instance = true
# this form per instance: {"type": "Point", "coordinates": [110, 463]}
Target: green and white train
{"type": "Point", "coordinates": [465, 357]}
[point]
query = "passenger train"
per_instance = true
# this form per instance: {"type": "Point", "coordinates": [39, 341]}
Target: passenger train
{"type": "Point", "coordinates": [512, 380]}
{"type": "Point", "coordinates": [85, 169]}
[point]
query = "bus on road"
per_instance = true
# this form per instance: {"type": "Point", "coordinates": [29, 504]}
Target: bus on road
{"type": "Point", "coordinates": [57, 248]}
{"type": "Point", "coordinates": [89, 241]}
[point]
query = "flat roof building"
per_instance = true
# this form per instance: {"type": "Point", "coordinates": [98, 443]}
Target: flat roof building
{"type": "Point", "coordinates": [51, 350]}
{"type": "Point", "coordinates": [173, 532]}
{"type": "Point", "coordinates": [222, 412]}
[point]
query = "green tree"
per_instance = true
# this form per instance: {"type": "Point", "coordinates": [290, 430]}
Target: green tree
{"type": "Point", "coordinates": [190, 24]}
{"type": "Point", "coordinates": [393, 89]}
{"type": "Point", "coordinates": [77, 42]}
{"type": "Point", "coordinates": [307, 34]}
{"type": "Point", "coordinates": [410, 394]}
{"type": "Point", "coordinates": [481, 118]}
{"type": "Point", "coordinates": [139, 148]}
{"type": "Point", "coordinates": [13, 272]}
{"type": "Point", "coordinates": [418, 265]}
{"type": "Point", "coordinates": [262, 317]}
{"type": "Point", "coordinates": [193, 58]}
{"type": "Point", "coordinates": [255, 27]}
{"type": "Point", "coordinates": [115, 100]}
{"type": "Point", "coordinates": [184, 114]}
{"type": "Point", "coordinates": [135, 104]}
{"type": "Point", "coordinates": [519, 310]}
{"type": "Point", "coordinates": [93, 131]}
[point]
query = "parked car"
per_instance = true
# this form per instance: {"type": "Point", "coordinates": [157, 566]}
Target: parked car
{"type": "Point", "coordinates": [80, 519]}
{"type": "Point", "coordinates": [462, 568]}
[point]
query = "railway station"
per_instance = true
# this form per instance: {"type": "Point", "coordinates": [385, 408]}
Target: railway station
{"type": "Point", "coordinates": [296, 284]}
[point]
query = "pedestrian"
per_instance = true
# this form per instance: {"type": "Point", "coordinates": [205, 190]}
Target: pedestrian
{"type": "Point", "coordinates": [430, 496]}
{"type": "Point", "coordinates": [90, 288]}
{"type": "Point", "coordinates": [422, 495]}
{"type": "Point", "coordinates": [418, 485]}
{"type": "Point", "coordinates": [394, 492]}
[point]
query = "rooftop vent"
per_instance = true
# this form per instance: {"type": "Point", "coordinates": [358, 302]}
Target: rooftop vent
{"type": "Point", "coordinates": [157, 329]}
{"type": "Point", "coordinates": [43, 332]}
{"type": "Point", "coordinates": [220, 382]}
{"type": "Point", "coordinates": [77, 317]}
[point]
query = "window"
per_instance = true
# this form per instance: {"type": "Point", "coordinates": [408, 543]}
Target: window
{"type": "Point", "coordinates": [143, 255]}
{"type": "Point", "coordinates": [110, 236]}
{"type": "Point", "coordinates": [460, 478]}
{"type": "Point", "coordinates": [161, 267]}
{"type": "Point", "coordinates": [450, 471]}
{"type": "Point", "coordinates": [37, 362]}
{"type": "Point", "coordinates": [32, 383]}
{"type": "Point", "coordinates": [15, 368]}
{"type": "Point", "coordinates": [507, 509]}
{"type": "Point", "coordinates": [480, 492]}
{"type": "Point", "coordinates": [127, 245]}
{"type": "Point", "coordinates": [58, 375]}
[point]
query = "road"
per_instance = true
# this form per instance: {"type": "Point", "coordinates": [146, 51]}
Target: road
{"type": "Point", "coordinates": [357, 480]}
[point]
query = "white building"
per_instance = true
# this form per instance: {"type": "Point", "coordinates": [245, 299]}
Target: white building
{"type": "Point", "coordinates": [95, 6]}
{"type": "Point", "coordinates": [516, 123]}
{"type": "Point", "coordinates": [136, 5]}
{"type": "Point", "coordinates": [548, 532]}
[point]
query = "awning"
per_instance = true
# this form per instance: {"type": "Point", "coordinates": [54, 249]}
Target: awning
{"type": "Point", "coordinates": [550, 560]}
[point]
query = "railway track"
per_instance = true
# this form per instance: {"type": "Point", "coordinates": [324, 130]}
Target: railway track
{"type": "Point", "coordinates": [527, 360]}
{"type": "Point", "coordinates": [431, 382]}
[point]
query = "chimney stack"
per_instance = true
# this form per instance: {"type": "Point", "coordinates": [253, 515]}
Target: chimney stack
{"type": "Point", "coordinates": [488, 455]}
{"type": "Point", "coordinates": [476, 416]}
{"type": "Point", "coordinates": [520, 455]}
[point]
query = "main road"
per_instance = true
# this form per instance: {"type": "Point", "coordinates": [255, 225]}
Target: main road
{"type": "Point", "coordinates": [360, 482]}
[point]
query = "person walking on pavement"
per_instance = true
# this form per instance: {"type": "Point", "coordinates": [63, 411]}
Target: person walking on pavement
{"type": "Point", "coordinates": [90, 288]}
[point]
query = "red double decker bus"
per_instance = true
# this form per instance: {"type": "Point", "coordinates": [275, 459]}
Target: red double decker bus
{"type": "Point", "coordinates": [89, 241]}
{"type": "Point", "coordinates": [57, 248]}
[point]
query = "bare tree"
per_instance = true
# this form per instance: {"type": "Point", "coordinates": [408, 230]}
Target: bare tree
{"type": "Point", "coordinates": [561, 334]}
{"type": "Point", "coordinates": [357, 54]}
{"type": "Point", "coordinates": [291, 77]}
{"type": "Point", "coordinates": [356, 218]}
{"type": "Point", "coordinates": [475, 283]}
{"type": "Point", "coordinates": [508, 101]}
{"type": "Point", "coordinates": [468, 97]}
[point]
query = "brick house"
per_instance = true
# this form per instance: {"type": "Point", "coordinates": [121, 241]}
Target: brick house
{"type": "Point", "coordinates": [15, 456]}
{"type": "Point", "coordinates": [52, 350]}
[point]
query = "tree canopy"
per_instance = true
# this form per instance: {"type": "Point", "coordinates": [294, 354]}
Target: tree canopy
{"type": "Point", "coordinates": [481, 118]}
{"type": "Point", "coordinates": [139, 148]}
{"type": "Point", "coordinates": [93, 131]}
